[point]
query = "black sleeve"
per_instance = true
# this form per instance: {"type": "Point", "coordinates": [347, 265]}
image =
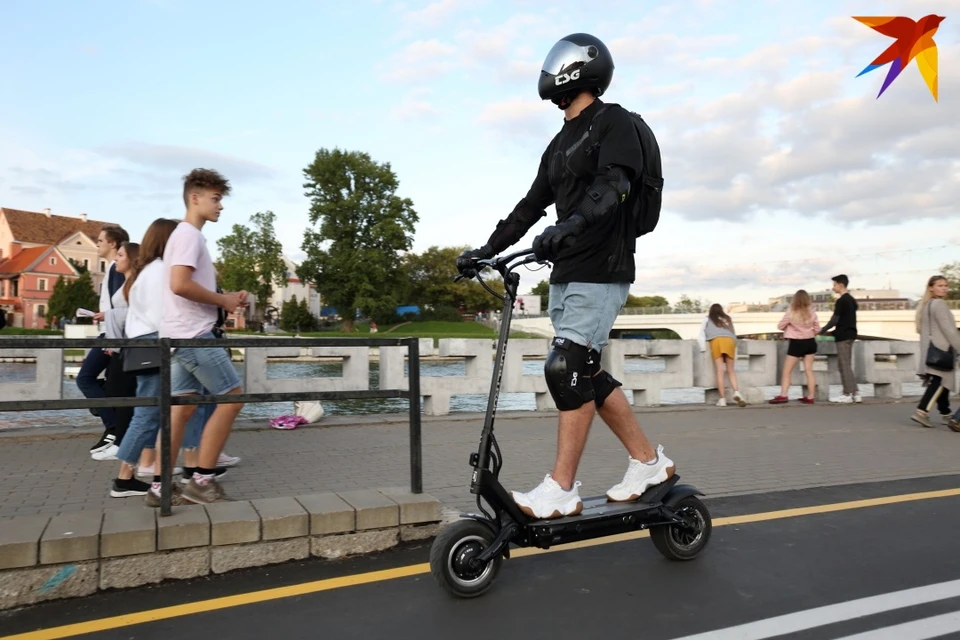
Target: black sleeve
{"type": "Point", "coordinates": [834, 319]}
{"type": "Point", "coordinates": [619, 142]}
{"type": "Point", "coordinates": [527, 212]}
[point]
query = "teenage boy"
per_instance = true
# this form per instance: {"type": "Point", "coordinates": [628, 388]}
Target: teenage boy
{"type": "Point", "coordinates": [108, 243]}
{"type": "Point", "coordinates": [845, 334]}
{"type": "Point", "coordinates": [190, 308]}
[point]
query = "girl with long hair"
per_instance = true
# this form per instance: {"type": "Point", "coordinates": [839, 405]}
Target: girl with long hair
{"type": "Point", "coordinates": [717, 329]}
{"type": "Point", "coordinates": [937, 327]}
{"type": "Point", "coordinates": [800, 326]}
{"type": "Point", "coordinates": [118, 384]}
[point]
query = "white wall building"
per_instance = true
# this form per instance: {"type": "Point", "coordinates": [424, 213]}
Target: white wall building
{"type": "Point", "coordinates": [295, 288]}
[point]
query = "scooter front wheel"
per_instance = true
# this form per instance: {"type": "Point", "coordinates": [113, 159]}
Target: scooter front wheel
{"type": "Point", "coordinates": [679, 542]}
{"type": "Point", "coordinates": [451, 555]}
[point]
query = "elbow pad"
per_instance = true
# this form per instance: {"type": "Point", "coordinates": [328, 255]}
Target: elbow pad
{"type": "Point", "coordinates": [515, 226]}
{"type": "Point", "coordinates": [603, 197]}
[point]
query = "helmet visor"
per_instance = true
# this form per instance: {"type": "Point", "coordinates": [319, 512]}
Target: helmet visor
{"type": "Point", "coordinates": [565, 53]}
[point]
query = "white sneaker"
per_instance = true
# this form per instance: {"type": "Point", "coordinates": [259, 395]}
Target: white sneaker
{"type": "Point", "coordinates": [227, 460]}
{"type": "Point", "coordinates": [109, 453]}
{"type": "Point", "coordinates": [739, 399]}
{"type": "Point", "coordinates": [549, 500]}
{"type": "Point", "coordinates": [722, 402]}
{"type": "Point", "coordinates": [641, 476]}
{"type": "Point", "coordinates": [844, 399]}
{"type": "Point", "coordinates": [857, 398]}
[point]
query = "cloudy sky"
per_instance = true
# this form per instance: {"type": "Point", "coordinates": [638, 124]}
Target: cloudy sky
{"type": "Point", "coordinates": [782, 167]}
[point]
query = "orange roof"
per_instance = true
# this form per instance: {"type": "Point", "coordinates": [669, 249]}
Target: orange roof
{"type": "Point", "coordinates": [38, 228]}
{"type": "Point", "coordinates": [23, 260]}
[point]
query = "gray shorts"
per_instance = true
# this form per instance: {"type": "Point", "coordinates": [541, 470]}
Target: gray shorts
{"type": "Point", "coordinates": [584, 312]}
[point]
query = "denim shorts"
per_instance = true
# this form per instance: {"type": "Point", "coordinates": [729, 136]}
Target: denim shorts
{"type": "Point", "coordinates": [584, 312]}
{"type": "Point", "coordinates": [194, 369]}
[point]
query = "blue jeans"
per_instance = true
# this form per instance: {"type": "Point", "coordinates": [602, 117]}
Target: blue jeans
{"type": "Point", "coordinates": [145, 425]}
{"type": "Point", "coordinates": [584, 312]}
{"type": "Point", "coordinates": [195, 369]}
{"type": "Point", "coordinates": [93, 365]}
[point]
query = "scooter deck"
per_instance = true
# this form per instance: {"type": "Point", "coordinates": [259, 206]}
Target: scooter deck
{"type": "Point", "coordinates": [602, 518]}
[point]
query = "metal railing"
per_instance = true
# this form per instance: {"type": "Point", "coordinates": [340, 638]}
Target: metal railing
{"type": "Point", "coordinates": [165, 401]}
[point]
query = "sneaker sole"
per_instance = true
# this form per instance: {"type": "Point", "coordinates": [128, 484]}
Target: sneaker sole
{"type": "Point", "coordinates": [635, 496]}
{"type": "Point", "coordinates": [556, 512]}
{"type": "Point", "coordinates": [127, 494]}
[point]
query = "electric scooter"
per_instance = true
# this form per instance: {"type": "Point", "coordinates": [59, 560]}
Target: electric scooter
{"type": "Point", "coordinates": [466, 556]}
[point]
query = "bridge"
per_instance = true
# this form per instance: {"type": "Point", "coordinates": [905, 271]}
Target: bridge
{"type": "Point", "coordinates": [871, 324]}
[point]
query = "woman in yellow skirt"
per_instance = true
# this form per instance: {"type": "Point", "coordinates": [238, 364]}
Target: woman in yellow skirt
{"type": "Point", "coordinates": [717, 329]}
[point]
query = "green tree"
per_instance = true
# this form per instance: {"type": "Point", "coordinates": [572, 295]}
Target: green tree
{"type": "Point", "coordinates": [647, 301]}
{"type": "Point", "coordinates": [58, 304]}
{"type": "Point", "coordinates": [542, 289]}
{"type": "Point", "coordinates": [251, 260]}
{"type": "Point", "coordinates": [429, 280]}
{"type": "Point", "coordinates": [77, 265]}
{"type": "Point", "coordinates": [360, 228]}
{"type": "Point", "coordinates": [686, 305]}
{"type": "Point", "coordinates": [81, 294]}
{"type": "Point", "coordinates": [952, 273]}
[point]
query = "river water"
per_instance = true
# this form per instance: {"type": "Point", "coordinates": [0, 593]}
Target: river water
{"type": "Point", "coordinates": [24, 372]}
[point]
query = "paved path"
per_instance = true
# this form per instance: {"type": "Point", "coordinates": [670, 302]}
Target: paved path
{"type": "Point", "coordinates": [723, 451]}
{"type": "Point", "coordinates": [825, 572]}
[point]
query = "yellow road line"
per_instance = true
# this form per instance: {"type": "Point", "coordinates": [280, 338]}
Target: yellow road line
{"type": "Point", "coordinates": [328, 584]}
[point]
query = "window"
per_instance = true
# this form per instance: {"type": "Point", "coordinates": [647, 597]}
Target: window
{"type": "Point", "coordinates": [41, 284]}
{"type": "Point", "coordinates": [41, 310]}
{"type": "Point", "coordinates": [53, 261]}
{"type": "Point", "coordinates": [103, 266]}
{"type": "Point", "coordinates": [86, 264]}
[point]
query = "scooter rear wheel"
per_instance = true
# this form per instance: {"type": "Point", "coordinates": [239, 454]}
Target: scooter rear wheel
{"type": "Point", "coordinates": [450, 558]}
{"type": "Point", "coordinates": [678, 542]}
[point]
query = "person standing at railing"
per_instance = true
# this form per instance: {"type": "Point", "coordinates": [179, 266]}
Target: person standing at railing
{"type": "Point", "coordinates": [717, 329]}
{"type": "Point", "coordinates": [190, 303]}
{"type": "Point", "coordinates": [845, 334]}
{"type": "Point", "coordinates": [800, 326]}
{"type": "Point", "coordinates": [939, 346]}
{"type": "Point", "coordinates": [96, 360]}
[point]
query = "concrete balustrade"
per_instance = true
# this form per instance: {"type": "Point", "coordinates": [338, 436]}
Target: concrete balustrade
{"type": "Point", "coordinates": [885, 364]}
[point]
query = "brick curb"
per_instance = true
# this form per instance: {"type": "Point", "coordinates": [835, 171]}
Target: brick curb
{"type": "Point", "coordinates": [77, 554]}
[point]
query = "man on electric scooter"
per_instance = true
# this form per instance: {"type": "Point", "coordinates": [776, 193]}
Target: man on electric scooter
{"type": "Point", "coordinates": [592, 253]}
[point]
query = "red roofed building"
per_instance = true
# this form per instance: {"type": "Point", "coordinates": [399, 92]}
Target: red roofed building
{"type": "Point", "coordinates": [35, 249]}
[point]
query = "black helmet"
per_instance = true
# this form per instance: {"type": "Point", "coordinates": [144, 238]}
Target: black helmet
{"type": "Point", "coordinates": [575, 63]}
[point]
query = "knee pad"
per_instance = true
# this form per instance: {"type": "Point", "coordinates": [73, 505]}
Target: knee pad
{"type": "Point", "coordinates": [568, 374]}
{"type": "Point", "coordinates": [603, 386]}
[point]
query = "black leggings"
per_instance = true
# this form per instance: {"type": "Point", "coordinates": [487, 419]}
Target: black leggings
{"type": "Point", "coordinates": [937, 394]}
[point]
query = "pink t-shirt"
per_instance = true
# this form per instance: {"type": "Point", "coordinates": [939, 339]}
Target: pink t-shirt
{"type": "Point", "coordinates": [184, 318]}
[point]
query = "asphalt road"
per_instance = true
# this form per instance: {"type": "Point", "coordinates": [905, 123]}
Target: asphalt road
{"type": "Point", "coordinates": [823, 572]}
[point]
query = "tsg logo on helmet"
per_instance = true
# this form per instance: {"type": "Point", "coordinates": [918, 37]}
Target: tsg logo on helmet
{"type": "Point", "coordinates": [576, 63]}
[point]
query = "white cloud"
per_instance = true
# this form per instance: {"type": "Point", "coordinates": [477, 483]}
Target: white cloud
{"type": "Point", "coordinates": [178, 158]}
{"type": "Point", "coordinates": [434, 14]}
{"type": "Point", "coordinates": [414, 106]}
{"type": "Point", "coordinates": [422, 60]}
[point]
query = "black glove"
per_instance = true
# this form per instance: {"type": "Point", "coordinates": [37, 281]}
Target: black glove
{"type": "Point", "coordinates": [466, 261]}
{"type": "Point", "coordinates": [553, 240]}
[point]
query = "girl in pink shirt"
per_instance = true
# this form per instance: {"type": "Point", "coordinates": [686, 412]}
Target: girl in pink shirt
{"type": "Point", "coordinates": [800, 326]}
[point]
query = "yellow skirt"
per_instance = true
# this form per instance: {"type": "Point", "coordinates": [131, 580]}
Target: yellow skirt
{"type": "Point", "coordinates": [723, 346]}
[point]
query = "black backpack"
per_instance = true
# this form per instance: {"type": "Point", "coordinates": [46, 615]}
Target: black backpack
{"type": "Point", "coordinates": [646, 191]}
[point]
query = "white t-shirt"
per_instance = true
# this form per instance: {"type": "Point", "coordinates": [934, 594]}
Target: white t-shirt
{"type": "Point", "coordinates": [146, 301]}
{"type": "Point", "coordinates": [184, 318]}
{"type": "Point", "coordinates": [105, 288]}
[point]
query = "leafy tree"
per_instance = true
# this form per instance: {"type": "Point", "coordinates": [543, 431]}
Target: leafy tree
{"type": "Point", "coordinates": [252, 260]}
{"type": "Point", "coordinates": [952, 273]}
{"type": "Point", "coordinates": [58, 304]}
{"type": "Point", "coordinates": [686, 305]}
{"type": "Point", "coordinates": [77, 265]}
{"type": "Point", "coordinates": [360, 228]}
{"type": "Point", "coordinates": [542, 289]}
{"type": "Point", "coordinates": [429, 280]}
{"type": "Point", "coordinates": [647, 301]}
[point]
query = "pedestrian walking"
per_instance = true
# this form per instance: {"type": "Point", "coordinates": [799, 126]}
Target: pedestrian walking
{"type": "Point", "coordinates": [939, 345]}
